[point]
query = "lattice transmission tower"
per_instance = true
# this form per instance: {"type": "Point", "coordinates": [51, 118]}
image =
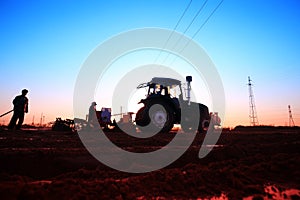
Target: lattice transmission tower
{"type": "Point", "coordinates": [252, 108]}
{"type": "Point", "coordinates": [291, 120]}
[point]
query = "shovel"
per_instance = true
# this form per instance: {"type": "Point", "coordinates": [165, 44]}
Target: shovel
{"type": "Point", "coordinates": [6, 113]}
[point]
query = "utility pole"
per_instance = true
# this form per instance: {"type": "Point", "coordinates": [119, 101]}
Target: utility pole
{"type": "Point", "coordinates": [291, 120]}
{"type": "Point", "coordinates": [121, 112]}
{"type": "Point", "coordinates": [252, 107]}
{"type": "Point", "coordinates": [41, 120]}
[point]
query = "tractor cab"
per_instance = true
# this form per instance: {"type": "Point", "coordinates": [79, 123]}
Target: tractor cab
{"type": "Point", "coordinates": [167, 87]}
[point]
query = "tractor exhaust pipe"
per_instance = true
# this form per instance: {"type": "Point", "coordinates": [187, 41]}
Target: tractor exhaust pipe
{"type": "Point", "coordinates": [188, 80]}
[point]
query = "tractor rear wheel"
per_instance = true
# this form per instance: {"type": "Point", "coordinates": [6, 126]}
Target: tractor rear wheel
{"type": "Point", "coordinates": [155, 118]}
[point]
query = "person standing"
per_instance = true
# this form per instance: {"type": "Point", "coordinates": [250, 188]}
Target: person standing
{"type": "Point", "coordinates": [20, 108]}
{"type": "Point", "coordinates": [92, 119]}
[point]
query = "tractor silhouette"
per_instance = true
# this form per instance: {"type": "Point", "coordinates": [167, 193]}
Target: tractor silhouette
{"type": "Point", "coordinates": [164, 104]}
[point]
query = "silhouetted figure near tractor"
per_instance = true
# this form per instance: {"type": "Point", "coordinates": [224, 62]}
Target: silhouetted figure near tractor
{"type": "Point", "coordinates": [92, 119]}
{"type": "Point", "coordinates": [20, 108]}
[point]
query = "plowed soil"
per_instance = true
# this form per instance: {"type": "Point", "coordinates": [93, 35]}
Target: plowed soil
{"type": "Point", "coordinates": [38, 164]}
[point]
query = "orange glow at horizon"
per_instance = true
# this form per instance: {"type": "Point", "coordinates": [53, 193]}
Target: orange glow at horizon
{"type": "Point", "coordinates": [236, 117]}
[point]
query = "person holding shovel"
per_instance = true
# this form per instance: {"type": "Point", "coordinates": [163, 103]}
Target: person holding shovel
{"type": "Point", "coordinates": [20, 108]}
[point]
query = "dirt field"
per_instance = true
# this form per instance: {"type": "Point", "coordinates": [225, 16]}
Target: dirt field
{"type": "Point", "coordinates": [55, 165]}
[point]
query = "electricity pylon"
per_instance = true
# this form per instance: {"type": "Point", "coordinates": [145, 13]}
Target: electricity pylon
{"type": "Point", "coordinates": [252, 108]}
{"type": "Point", "coordinates": [291, 120]}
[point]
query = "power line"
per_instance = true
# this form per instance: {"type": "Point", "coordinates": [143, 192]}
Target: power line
{"type": "Point", "coordinates": [198, 12]}
{"type": "Point", "coordinates": [198, 30]}
{"type": "Point", "coordinates": [187, 28]}
{"type": "Point", "coordinates": [208, 18]}
{"type": "Point", "coordinates": [182, 15]}
{"type": "Point", "coordinates": [174, 29]}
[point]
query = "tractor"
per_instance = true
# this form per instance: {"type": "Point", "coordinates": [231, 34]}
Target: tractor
{"type": "Point", "coordinates": [164, 104]}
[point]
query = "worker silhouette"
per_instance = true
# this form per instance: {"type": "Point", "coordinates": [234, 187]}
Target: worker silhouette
{"type": "Point", "coordinates": [92, 119]}
{"type": "Point", "coordinates": [20, 108]}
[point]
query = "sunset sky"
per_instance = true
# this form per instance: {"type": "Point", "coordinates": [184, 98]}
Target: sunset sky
{"type": "Point", "coordinates": [43, 45]}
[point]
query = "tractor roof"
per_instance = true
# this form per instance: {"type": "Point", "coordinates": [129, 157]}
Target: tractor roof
{"type": "Point", "coordinates": [165, 81]}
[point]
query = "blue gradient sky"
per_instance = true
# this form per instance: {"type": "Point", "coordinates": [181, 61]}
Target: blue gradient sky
{"type": "Point", "coordinates": [44, 43]}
